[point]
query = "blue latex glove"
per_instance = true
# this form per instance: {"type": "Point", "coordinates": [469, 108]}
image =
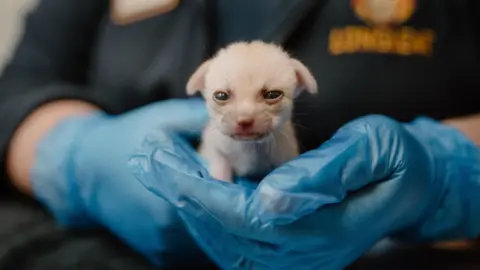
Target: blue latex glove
{"type": "Point", "coordinates": [81, 174]}
{"type": "Point", "coordinates": [374, 178]}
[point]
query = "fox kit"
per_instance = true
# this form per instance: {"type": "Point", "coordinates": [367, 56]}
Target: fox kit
{"type": "Point", "coordinates": [249, 89]}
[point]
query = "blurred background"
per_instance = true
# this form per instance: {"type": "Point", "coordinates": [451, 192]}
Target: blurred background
{"type": "Point", "coordinates": [11, 19]}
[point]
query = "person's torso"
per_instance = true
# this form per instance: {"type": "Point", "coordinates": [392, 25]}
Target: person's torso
{"type": "Point", "coordinates": [425, 63]}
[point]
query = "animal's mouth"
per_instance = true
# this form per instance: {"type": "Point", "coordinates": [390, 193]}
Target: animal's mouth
{"type": "Point", "coordinates": [249, 136]}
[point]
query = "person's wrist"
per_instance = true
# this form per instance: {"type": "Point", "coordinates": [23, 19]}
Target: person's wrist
{"type": "Point", "coordinates": [53, 178]}
{"type": "Point", "coordinates": [455, 213]}
{"type": "Point", "coordinates": [21, 151]}
{"type": "Point", "coordinates": [468, 125]}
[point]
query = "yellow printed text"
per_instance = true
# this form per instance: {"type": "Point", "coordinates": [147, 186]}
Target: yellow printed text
{"type": "Point", "coordinates": [362, 39]}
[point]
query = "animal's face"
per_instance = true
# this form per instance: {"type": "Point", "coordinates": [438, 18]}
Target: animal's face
{"type": "Point", "coordinates": [249, 89]}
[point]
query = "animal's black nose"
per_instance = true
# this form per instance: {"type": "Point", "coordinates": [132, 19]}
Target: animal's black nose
{"type": "Point", "coordinates": [245, 123]}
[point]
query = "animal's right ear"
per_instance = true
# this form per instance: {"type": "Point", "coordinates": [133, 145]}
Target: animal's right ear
{"type": "Point", "coordinates": [197, 80]}
{"type": "Point", "coordinates": [305, 79]}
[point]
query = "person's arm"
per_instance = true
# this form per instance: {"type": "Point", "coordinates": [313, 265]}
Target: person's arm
{"type": "Point", "coordinates": [21, 152]}
{"type": "Point", "coordinates": [48, 70]}
{"type": "Point", "coordinates": [469, 125]}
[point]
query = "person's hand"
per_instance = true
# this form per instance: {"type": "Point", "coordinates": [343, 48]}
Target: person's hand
{"type": "Point", "coordinates": [374, 178]}
{"type": "Point", "coordinates": [81, 174]}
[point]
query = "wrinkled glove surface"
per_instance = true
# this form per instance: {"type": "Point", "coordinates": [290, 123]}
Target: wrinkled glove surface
{"type": "Point", "coordinates": [374, 178]}
{"type": "Point", "coordinates": [81, 175]}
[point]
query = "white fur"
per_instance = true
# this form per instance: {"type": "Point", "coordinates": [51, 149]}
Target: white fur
{"type": "Point", "coordinates": [227, 156]}
{"type": "Point", "coordinates": [244, 69]}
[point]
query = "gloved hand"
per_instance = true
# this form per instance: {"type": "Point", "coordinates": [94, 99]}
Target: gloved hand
{"type": "Point", "coordinates": [374, 178]}
{"type": "Point", "coordinates": [82, 177]}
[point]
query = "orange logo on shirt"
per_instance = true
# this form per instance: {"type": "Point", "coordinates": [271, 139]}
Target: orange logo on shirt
{"type": "Point", "coordinates": [383, 12]}
{"type": "Point", "coordinates": [378, 35]}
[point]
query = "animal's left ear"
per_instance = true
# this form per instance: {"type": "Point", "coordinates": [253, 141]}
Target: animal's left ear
{"type": "Point", "coordinates": [197, 80]}
{"type": "Point", "coordinates": [305, 79]}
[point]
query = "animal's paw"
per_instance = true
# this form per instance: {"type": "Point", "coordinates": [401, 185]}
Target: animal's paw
{"type": "Point", "coordinates": [222, 173]}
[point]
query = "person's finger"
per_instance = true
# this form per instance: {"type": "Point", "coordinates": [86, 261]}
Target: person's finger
{"type": "Point", "coordinates": [177, 160]}
{"type": "Point", "coordinates": [339, 234]}
{"type": "Point", "coordinates": [186, 117]}
{"type": "Point", "coordinates": [366, 216]}
{"type": "Point", "coordinates": [229, 250]}
{"type": "Point", "coordinates": [363, 152]}
{"type": "Point", "coordinates": [218, 244]}
{"type": "Point", "coordinates": [170, 168]}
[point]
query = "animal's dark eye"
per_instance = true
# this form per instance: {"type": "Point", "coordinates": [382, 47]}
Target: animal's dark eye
{"type": "Point", "coordinates": [221, 96]}
{"type": "Point", "coordinates": [271, 95]}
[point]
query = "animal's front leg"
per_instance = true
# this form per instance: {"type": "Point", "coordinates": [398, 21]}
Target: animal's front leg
{"type": "Point", "coordinates": [220, 169]}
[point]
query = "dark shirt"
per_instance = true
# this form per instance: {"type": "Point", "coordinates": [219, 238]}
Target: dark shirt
{"type": "Point", "coordinates": [71, 50]}
{"type": "Point", "coordinates": [241, 19]}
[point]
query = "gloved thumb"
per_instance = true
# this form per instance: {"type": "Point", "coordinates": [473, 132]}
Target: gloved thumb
{"type": "Point", "coordinates": [359, 154]}
{"type": "Point", "coordinates": [168, 167]}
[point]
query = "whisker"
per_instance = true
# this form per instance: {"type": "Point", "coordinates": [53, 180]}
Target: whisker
{"type": "Point", "coordinates": [306, 104]}
{"type": "Point", "coordinates": [289, 140]}
{"type": "Point", "coordinates": [303, 127]}
{"type": "Point", "coordinates": [301, 114]}
{"type": "Point", "coordinates": [301, 147]}
{"type": "Point", "coordinates": [273, 145]}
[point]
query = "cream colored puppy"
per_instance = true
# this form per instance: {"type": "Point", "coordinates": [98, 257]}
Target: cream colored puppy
{"type": "Point", "coordinates": [249, 90]}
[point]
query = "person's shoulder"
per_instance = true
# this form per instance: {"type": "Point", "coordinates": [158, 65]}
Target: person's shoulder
{"type": "Point", "coordinates": [69, 10]}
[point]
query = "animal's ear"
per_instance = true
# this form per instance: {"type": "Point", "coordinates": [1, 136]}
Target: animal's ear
{"type": "Point", "coordinates": [197, 80]}
{"type": "Point", "coordinates": [305, 79]}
